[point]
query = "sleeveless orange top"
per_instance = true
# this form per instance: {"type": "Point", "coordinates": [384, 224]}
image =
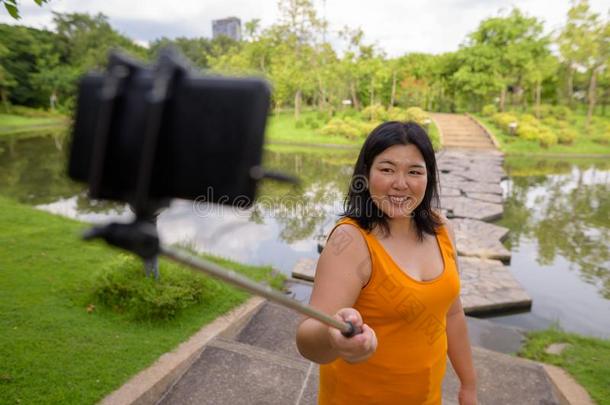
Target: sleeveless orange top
{"type": "Point", "coordinates": [409, 319]}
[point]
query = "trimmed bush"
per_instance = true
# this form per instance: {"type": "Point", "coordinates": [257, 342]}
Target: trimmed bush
{"type": "Point", "coordinates": [542, 111]}
{"type": "Point", "coordinates": [561, 112]}
{"type": "Point", "coordinates": [503, 120]}
{"type": "Point", "coordinates": [397, 114]}
{"type": "Point", "coordinates": [603, 138]}
{"type": "Point", "coordinates": [528, 132]}
{"type": "Point", "coordinates": [550, 121]}
{"type": "Point", "coordinates": [489, 110]}
{"type": "Point", "coordinates": [299, 124]}
{"type": "Point", "coordinates": [528, 119]}
{"type": "Point", "coordinates": [123, 288]}
{"type": "Point", "coordinates": [566, 136]}
{"type": "Point", "coordinates": [374, 112]}
{"type": "Point", "coordinates": [547, 138]}
{"type": "Point", "coordinates": [417, 114]}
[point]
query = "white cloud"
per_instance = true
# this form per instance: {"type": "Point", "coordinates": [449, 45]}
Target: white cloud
{"type": "Point", "coordinates": [397, 26]}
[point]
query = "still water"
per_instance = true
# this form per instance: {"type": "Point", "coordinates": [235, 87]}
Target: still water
{"type": "Point", "coordinates": [558, 213]}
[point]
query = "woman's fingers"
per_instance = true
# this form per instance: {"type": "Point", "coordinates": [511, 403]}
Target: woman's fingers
{"type": "Point", "coordinates": [355, 348]}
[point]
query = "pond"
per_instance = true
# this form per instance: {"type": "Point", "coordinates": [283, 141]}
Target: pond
{"type": "Point", "coordinates": [558, 213]}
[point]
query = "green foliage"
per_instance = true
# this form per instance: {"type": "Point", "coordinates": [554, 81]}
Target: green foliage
{"type": "Point", "coordinates": [503, 120]}
{"type": "Point", "coordinates": [489, 109]}
{"type": "Point", "coordinates": [299, 124]}
{"type": "Point", "coordinates": [348, 127]}
{"type": "Point", "coordinates": [546, 138]}
{"type": "Point", "coordinates": [122, 287]}
{"type": "Point", "coordinates": [397, 114]}
{"type": "Point", "coordinates": [375, 112]}
{"type": "Point", "coordinates": [602, 138]}
{"type": "Point", "coordinates": [418, 115]}
{"type": "Point", "coordinates": [566, 136]}
{"type": "Point", "coordinates": [12, 7]}
{"type": "Point", "coordinates": [34, 112]}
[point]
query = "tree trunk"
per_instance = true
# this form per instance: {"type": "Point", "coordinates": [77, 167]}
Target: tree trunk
{"type": "Point", "coordinates": [355, 101]}
{"type": "Point", "coordinates": [570, 87]}
{"type": "Point", "coordinates": [4, 98]}
{"type": "Point", "coordinates": [297, 104]}
{"type": "Point", "coordinates": [538, 91]}
{"type": "Point", "coordinates": [393, 98]}
{"type": "Point", "coordinates": [502, 98]}
{"type": "Point", "coordinates": [592, 90]}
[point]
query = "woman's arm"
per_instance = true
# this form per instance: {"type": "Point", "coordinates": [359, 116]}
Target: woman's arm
{"type": "Point", "coordinates": [459, 350]}
{"type": "Point", "coordinates": [460, 353]}
{"type": "Point", "coordinates": [343, 269]}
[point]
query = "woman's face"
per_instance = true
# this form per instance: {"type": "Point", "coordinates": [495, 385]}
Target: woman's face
{"type": "Point", "coordinates": [397, 180]}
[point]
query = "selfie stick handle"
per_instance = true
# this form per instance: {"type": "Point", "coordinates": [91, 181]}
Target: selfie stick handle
{"type": "Point", "coordinates": [233, 278]}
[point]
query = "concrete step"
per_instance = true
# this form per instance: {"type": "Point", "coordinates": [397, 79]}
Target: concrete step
{"type": "Point", "coordinates": [272, 328]}
{"type": "Point", "coordinates": [230, 372]}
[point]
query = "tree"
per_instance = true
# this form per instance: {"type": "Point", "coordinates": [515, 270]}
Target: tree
{"type": "Point", "coordinates": [505, 45]}
{"type": "Point", "coordinates": [6, 79]}
{"type": "Point", "coordinates": [12, 6]}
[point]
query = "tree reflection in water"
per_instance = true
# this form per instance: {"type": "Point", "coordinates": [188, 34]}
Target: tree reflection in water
{"type": "Point", "coordinates": [565, 207]}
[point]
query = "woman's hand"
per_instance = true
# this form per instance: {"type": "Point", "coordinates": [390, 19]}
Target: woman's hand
{"type": "Point", "coordinates": [357, 348]}
{"type": "Point", "coordinates": [467, 395]}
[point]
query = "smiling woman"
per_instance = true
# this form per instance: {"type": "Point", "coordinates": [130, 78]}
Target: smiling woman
{"type": "Point", "coordinates": [390, 268]}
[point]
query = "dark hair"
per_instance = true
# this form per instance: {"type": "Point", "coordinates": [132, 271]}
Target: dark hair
{"type": "Point", "coordinates": [358, 203]}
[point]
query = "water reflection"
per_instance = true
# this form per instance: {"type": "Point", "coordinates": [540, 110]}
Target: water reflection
{"type": "Point", "coordinates": [559, 216]}
{"type": "Point", "coordinates": [567, 214]}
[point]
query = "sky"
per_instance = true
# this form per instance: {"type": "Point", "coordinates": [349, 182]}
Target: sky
{"type": "Point", "coordinates": [396, 26]}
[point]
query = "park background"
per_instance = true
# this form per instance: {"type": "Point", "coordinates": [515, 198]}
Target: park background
{"type": "Point", "coordinates": [543, 92]}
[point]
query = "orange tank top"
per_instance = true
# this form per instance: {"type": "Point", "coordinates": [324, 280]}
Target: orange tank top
{"type": "Point", "coordinates": [409, 319]}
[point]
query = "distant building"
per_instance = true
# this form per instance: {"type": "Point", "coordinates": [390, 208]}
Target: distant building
{"type": "Point", "coordinates": [230, 27]}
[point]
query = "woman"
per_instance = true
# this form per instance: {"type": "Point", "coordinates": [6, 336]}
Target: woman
{"type": "Point", "coordinates": [390, 268]}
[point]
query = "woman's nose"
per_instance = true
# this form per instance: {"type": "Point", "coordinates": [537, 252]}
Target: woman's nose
{"type": "Point", "coordinates": [400, 182]}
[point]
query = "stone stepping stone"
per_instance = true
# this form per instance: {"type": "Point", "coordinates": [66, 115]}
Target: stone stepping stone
{"type": "Point", "coordinates": [463, 207]}
{"type": "Point", "coordinates": [450, 192]}
{"type": "Point", "coordinates": [489, 287]}
{"type": "Point", "coordinates": [480, 239]}
{"type": "Point", "coordinates": [492, 198]}
{"type": "Point", "coordinates": [472, 186]}
{"type": "Point", "coordinates": [305, 269]}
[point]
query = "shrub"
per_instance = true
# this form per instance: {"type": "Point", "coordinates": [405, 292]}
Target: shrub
{"type": "Point", "coordinates": [550, 121]}
{"type": "Point", "coordinates": [528, 132]}
{"type": "Point", "coordinates": [123, 288]}
{"type": "Point", "coordinates": [503, 120]}
{"type": "Point", "coordinates": [547, 138]}
{"type": "Point", "coordinates": [314, 125]}
{"type": "Point", "coordinates": [602, 138]}
{"type": "Point", "coordinates": [566, 136]}
{"type": "Point", "coordinates": [528, 119]}
{"type": "Point", "coordinates": [489, 110]}
{"type": "Point", "coordinates": [374, 112]}
{"type": "Point", "coordinates": [542, 111]}
{"type": "Point", "coordinates": [561, 112]}
{"type": "Point", "coordinates": [417, 114]}
{"type": "Point", "coordinates": [299, 124]}
{"type": "Point", "coordinates": [397, 114]}
{"type": "Point", "coordinates": [322, 116]}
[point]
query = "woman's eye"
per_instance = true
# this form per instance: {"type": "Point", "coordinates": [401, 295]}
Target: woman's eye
{"type": "Point", "coordinates": [386, 170]}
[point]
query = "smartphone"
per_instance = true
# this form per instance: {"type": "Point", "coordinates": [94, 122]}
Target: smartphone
{"type": "Point", "coordinates": [207, 140]}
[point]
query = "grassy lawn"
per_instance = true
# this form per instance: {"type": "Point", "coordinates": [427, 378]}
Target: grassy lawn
{"type": "Point", "coordinates": [514, 145]}
{"type": "Point", "coordinates": [587, 359]}
{"type": "Point", "coordinates": [16, 124]}
{"type": "Point", "coordinates": [282, 128]}
{"type": "Point", "coordinates": [52, 349]}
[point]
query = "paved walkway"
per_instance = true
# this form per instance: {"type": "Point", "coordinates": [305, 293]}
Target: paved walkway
{"type": "Point", "coordinates": [460, 131]}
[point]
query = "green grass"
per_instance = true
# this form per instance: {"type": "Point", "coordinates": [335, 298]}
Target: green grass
{"type": "Point", "coordinates": [282, 128]}
{"type": "Point", "coordinates": [516, 146]}
{"type": "Point", "coordinates": [587, 360]}
{"type": "Point", "coordinates": [16, 124]}
{"type": "Point", "coordinates": [51, 349]}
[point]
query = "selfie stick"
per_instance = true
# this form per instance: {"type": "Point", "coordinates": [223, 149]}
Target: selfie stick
{"type": "Point", "coordinates": [141, 237]}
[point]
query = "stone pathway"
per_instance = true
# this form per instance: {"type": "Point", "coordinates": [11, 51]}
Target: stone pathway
{"type": "Point", "coordinates": [260, 365]}
{"type": "Point", "coordinates": [461, 131]}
